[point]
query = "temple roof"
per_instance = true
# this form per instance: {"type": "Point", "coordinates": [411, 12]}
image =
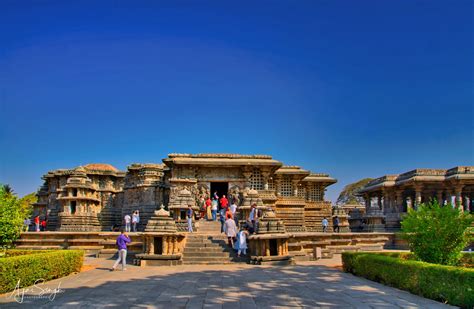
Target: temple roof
{"type": "Point", "coordinates": [421, 175]}
{"type": "Point", "coordinates": [319, 177]}
{"type": "Point", "coordinates": [100, 167]}
{"type": "Point", "coordinates": [220, 159]}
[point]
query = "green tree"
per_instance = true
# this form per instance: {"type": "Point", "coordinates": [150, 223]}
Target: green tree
{"type": "Point", "coordinates": [26, 204]}
{"type": "Point", "coordinates": [11, 218]}
{"type": "Point", "coordinates": [348, 194]}
{"type": "Point", "coordinates": [8, 189]}
{"type": "Point", "coordinates": [437, 234]}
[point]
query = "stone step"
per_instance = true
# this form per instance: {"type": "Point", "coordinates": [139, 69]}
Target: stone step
{"type": "Point", "coordinates": [202, 245]}
{"type": "Point", "coordinates": [206, 249]}
{"type": "Point", "coordinates": [206, 260]}
{"type": "Point", "coordinates": [220, 255]}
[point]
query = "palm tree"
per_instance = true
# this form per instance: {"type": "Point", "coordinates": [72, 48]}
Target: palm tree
{"type": "Point", "coordinates": [8, 189]}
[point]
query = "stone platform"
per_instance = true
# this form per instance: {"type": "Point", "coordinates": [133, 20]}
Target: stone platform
{"type": "Point", "coordinates": [209, 246]}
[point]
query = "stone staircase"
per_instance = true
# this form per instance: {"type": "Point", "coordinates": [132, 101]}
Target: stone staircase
{"type": "Point", "coordinates": [208, 246]}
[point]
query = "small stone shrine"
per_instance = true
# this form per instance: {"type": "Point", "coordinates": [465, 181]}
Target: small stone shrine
{"type": "Point", "coordinates": [270, 243]}
{"type": "Point", "coordinates": [163, 245]}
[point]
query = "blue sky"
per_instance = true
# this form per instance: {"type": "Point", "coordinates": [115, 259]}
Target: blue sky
{"type": "Point", "coordinates": [352, 88]}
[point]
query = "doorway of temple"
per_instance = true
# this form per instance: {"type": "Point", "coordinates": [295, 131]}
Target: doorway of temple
{"type": "Point", "coordinates": [221, 188]}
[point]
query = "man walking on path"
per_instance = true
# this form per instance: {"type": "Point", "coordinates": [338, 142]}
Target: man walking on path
{"type": "Point", "coordinates": [122, 242]}
{"type": "Point", "coordinates": [189, 214]}
{"type": "Point", "coordinates": [325, 225]}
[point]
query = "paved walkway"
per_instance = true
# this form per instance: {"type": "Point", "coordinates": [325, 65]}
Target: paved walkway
{"type": "Point", "coordinates": [228, 286]}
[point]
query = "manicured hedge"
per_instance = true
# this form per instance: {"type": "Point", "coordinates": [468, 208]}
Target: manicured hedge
{"type": "Point", "coordinates": [17, 252]}
{"type": "Point", "coordinates": [38, 265]}
{"type": "Point", "coordinates": [467, 258]}
{"type": "Point", "coordinates": [453, 285]}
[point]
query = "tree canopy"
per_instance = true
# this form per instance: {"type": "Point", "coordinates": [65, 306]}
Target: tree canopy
{"type": "Point", "coordinates": [347, 196]}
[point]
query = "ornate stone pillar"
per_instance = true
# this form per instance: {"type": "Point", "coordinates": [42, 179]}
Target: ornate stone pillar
{"type": "Point", "coordinates": [379, 200]}
{"type": "Point", "coordinates": [294, 184]}
{"type": "Point", "coordinates": [448, 198]}
{"type": "Point", "coordinates": [165, 245]}
{"type": "Point", "coordinates": [418, 191]}
{"type": "Point", "coordinates": [399, 200]}
{"type": "Point", "coordinates": [367, 201]}
{"type": "Point", "coordinates": [151, 245]}
{"type": "Point", "coordinates": [247, 175]}
{"type": "Point", "coordinates": [458, 193]}
{"type": "Point", "coordinates": [277, 183]}
{"type": "Point", "coordinates": [265, 175]}
{"type": "Point", "coordinates": [439, 197]}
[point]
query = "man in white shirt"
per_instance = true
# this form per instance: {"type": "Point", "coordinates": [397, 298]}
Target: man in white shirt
{"type": "Point", "coordinates": [127, 219]}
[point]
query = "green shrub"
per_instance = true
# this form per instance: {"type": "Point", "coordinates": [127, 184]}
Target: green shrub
{"type": "Point", "coordinates": [453, 285]}
{"type": "Point", "coordinates": [437, 234]}
{"type": "Point", "coordinates": [11, 218]}
{"type": "Point", "coordinates": [17, 252]}
{"type": "Point", "coordinates": [39, 265]}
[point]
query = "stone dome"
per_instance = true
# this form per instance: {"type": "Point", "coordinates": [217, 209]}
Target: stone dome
{"type": "Point", "coordinates": [100, 167]}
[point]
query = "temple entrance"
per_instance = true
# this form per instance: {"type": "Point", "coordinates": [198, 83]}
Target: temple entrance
{"type": "Point", "coordinates": [221, 188]}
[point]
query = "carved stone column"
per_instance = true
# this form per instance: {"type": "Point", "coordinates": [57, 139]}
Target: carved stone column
{"type": "Point", "coordinates": [265, 175]}
{"type": "Point", "coordinates": [399, 200]}
{"type": "Point", "coordinates": [418, 191]}
{"type": "Point", "coordinates": [458, 193]}
{"type": "Point", "coordinates": [439, 197]}
{"type": "Point", "coordinates": [277, 183]}
{"type": "Point", "coordinates": [247, 175]}
{"type": "Point", "coordinates": [294, 184]}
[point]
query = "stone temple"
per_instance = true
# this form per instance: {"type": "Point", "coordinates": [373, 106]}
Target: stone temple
{"type": "Point", "coordinates": [95, 197]}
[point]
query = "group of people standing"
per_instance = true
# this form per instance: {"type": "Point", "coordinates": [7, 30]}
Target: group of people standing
{"type": "Point", "coordinates": [131, 221]}
{"type": "Point", "coordinates": [39, 224]}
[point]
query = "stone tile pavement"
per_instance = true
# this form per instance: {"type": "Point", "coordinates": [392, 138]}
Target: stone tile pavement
{"type": "Point", "coordinates": [310, 284]}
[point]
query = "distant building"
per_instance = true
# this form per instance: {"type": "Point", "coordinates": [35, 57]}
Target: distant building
{"type": "Point", "coordinates": [387, 197]}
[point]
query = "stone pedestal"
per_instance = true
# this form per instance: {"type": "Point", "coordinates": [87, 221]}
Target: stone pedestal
{"type": "Point", "coordinates": [270, 244]}
{"type": "Point", "coordinates": [162, 244]}
{"type": "Point", "coordinates": [374, 220]}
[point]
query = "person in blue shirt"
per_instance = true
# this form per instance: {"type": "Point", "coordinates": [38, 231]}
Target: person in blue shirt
{"type": "Point", "coordinates": [190, 214]}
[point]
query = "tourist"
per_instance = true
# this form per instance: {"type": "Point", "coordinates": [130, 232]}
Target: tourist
{"type": "Point", "coordinates": [121, 243]}
{"type": "Point", "coordinates": [242, 241]}
{"type": "Point", "coordinates": [214, 210]}
{"type": "Point", "coordinates": [222, 215]}
{"type": "Point", "coordinates": [216, 197]}
{"type": "Point", "coordinates": [37, 223]}
{"type": "Point", "coordinates": [253, 216]}
{"type": "Point", "coordinates": [26, 224]}
{"type": "Point", "coordinates": [224, 202]}
{"type": "Point", "coordinates": [208, 209]}
{"type": "Point", "coordinates": [202, 208]}
{"type": "Point", "coordinates": [233, 209]}
{"type": "Point", "coordinates": [230, 229]}
{"type": "Point", "coordinates": [336, 224]}
{"type": "Point", "coordinates": [189, 214]}
{"type": "Point", "coordinates": [43, 225]}
{"type": "Point", "coordinates": [135, 219]}
{"type": "Point", "coordinates": [325, 223]}
{"type": "Point", "coordinates": [127, 219]}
